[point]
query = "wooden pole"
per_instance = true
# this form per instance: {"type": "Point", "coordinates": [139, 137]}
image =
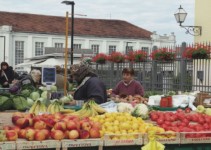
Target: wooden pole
{"type": "Point", "coordinates": [66, 55]}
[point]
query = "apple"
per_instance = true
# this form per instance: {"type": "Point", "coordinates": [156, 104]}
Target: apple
{"type": "Point", "coordinates": [60, 125]}
{"type": "Point", "coordinates": [22, 133]}
{"type": "Point", "coordinates": [7, 127]}
{"type": "Point", "coordinates": [30, 134]}
{"type": "Point", "coordinates": [83, 134]}
{"type": "Point", "coordinates": [86, 125]}
{"type": "Point", "coordinates": [57, 134]}
{"type": "Point", "coordinates": [22, 122]}
{"type": "Point", "coordinates": [50, 122]}
{"type": "Point", "coordinates": [39, 136]}
{"type": "Point", "coordinates": [66, 134]}
{"type": "Point", "coordinates": [97, 125]}
{"type": "Point", "coordinates": [28, 115]}
{"type": "Point", "coordinates": [71, 125]}
{"type": "Point", "coordinates": [39, 125]}
{"type": "Point", "coordinates": [16, 128]}
{"type": "Point", "coordinates": [46, 132]}
{"type": "Point", "coordinates": [58, 116]}
{"type": "Point", "coordinates": [11, 135]}
{"type": "Point", "coordinates": [73, 134]}
{"type": "Point", "coordinates": [94, 133]}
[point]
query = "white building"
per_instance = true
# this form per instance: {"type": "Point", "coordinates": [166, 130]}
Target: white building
{"type": "Point", "coordinates": [26, 35]}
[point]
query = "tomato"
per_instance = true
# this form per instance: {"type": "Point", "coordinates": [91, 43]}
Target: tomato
{"type": "Point", "coordinates": [187, 110]}
{"type": "Point", "coordinates": [179, 110]}
{"type": "Point", "coordinates": [160, 121]}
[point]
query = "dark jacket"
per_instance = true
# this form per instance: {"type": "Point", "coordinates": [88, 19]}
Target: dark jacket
{"type": "Point", "coordinates": [93, 88]}
{"type": "Point", "coordinates": [9, 72]}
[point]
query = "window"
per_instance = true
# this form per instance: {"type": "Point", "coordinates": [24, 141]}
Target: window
{"type": "Point", "coordinates": [58, 45]}
{"type": "Point", "coordinates": [95, 48]}
{"type": "Point", "coordinates": [39, 46]}
{"type": "Point", "coordinates": [19, 52]}
{"type": "Point", "coordinates": [146, 49]}
{"type": "Point", "coordinates": [128, 49]}
{"type": "Point", "coordinates": [111, 48]}
{"type": "Point", "coordinates": [76, 46]}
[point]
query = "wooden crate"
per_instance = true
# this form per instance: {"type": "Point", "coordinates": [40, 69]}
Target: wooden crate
{"type": "Point", "coordinates": [47, 144]}
{"type": "Point", "coordinates": [7, 145]}
{"type": "Point", "coordinates": [200, 98]}
{"type": "Point", "coordinates": [164, 139]}
{"type": "Point", "coordinates": [189, 140]}
{"type": "Point", "coordinates": [121, 142]}
{"type": "Point", "coordinates": [81, 143]}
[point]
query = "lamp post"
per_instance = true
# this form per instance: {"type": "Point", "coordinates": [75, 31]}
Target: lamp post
{"type": "Point", "coordinates": [180, 18]}
{"type": "Point", "coordinates": [72, 3]}
{"type": "Point", "coordinates": [4, 45]}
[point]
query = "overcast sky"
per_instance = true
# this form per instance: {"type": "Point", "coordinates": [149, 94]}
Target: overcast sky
{"type": "Point", "coordinates": [153, 15]}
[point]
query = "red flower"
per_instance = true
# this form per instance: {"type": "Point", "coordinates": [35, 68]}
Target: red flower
{"type": "Point", "coordinates": [197, 52]}
{"type": "Point", "coordinates": [137, 56]}
{"type": "Point", "coordinates": [100, 58]}
{"type": "Point", "coordinates": [163, 54]}
{"type": "Point", "coordinates": [116, 57]}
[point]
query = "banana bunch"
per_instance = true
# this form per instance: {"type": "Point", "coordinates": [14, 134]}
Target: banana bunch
{"type": "Point", "coordinates": [3, 136]}
{"type": "Point", "coordinates": [56, 106]}
{"type": "Point", "coordinates": [38, 107]}
{"type": "Point", "coordinates": [89, 109]}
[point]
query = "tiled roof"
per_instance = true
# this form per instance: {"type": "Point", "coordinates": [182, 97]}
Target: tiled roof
{"type": "Point", "coordinates": [22, 22]}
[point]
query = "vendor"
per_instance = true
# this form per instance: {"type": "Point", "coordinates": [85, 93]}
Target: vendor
{"type": "Point", "coordinates": [128, 86]}
{"type": "Point", "coordinates": [89, 85]}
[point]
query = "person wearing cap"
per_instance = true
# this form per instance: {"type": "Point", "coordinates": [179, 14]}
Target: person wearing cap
{"type": "Point", "coordinates": [89, 85]}
{"type": "Point", "coordinates": [7, 75]}
{"type": "Point", "coordinates": [128, 85]}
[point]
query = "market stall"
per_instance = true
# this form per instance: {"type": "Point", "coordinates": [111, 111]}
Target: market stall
{"type": "Point", "coordinates": [41, 121]}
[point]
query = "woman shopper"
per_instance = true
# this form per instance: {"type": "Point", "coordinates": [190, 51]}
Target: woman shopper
{"type": "Point", "coordinates": [89, 85]}
{"type": "Point", "coordinates": [7, 75]}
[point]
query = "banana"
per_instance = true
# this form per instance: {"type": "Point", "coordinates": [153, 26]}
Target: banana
{"type": "Point", "coordinates": [56, 107]}
{"type": "Point", "coordinates": [49, 108]}
{"type": "Point", "coordinates": [98, 109]}
{"type": "Point", "coordinates": [43, 108]}
{"type": "Point", "coordinates": [67, 111]}
{"type": "Point", "coordinates": [37, 108]}
{"type": "Point", "coordinates": [32, 109]}
{"type": "Point", "coordinates": [52, 110]}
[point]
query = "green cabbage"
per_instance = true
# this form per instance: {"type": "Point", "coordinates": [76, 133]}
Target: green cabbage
{"type": "Point", "coordinates": [65, 99]}
{"type": "Point", "coordinates": [34, 95]}
{"type": "Point", "coordinates": [20, 103]}
{"type": "Point", "coordinates": [44, 94]}
{"type": "Point", "coordinates": [53, 88]}
{"type": "Point", "coordinates": [30, 101]}
{"type": "Point", "coordinates": [5, 103]}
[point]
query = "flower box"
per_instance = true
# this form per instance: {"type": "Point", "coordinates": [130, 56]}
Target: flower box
{"type": "Point", "coordinates": [163, 54]}
{"type": "Point", "coordinates": [137, 56]}
{"type": "Point", "coordinates": [100, 58]}
{"type": "Point", "coordinates": [116, 57]}
{"type": "Point", "coordinates": [197, 52]}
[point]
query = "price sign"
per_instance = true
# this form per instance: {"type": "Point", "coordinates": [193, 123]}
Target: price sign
{"type": "Point", "coordinates": [48, 75]}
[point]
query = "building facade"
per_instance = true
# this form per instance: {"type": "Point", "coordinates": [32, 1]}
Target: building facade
{"type": "Point", "coordinates": [27, 35]}
{"type": "Point", "coordinates": [202, 9]}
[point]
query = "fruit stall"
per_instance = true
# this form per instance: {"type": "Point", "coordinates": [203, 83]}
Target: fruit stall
{"type": "Point", "coordinates": [32, 119]}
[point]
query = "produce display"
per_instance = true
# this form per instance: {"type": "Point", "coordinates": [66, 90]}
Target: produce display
{"type": "Point", "coordinates": [49, 126]}
{"type": "Point", "coordinates": [183, 121]}
{"type": "Point", "coordinates": [124, 126]}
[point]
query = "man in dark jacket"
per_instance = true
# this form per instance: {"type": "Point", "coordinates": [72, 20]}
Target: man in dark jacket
{"type": "Point", "coordinates": [89, 85]}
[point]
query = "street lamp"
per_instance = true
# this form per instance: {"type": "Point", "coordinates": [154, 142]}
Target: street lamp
{"type": "Point", "coordinates": [72, 3]}
{"type": "Point", "coordinates": [4, 45]}
{"type": "Point", "coordinates": [180, 18]}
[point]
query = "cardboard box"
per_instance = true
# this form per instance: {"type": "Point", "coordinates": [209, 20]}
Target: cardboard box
{"type": "Point", "coordinates": [188, 140]}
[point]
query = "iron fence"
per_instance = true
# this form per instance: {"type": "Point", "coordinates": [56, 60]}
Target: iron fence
{"type": "Point", "coordinates": [178, 75]}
